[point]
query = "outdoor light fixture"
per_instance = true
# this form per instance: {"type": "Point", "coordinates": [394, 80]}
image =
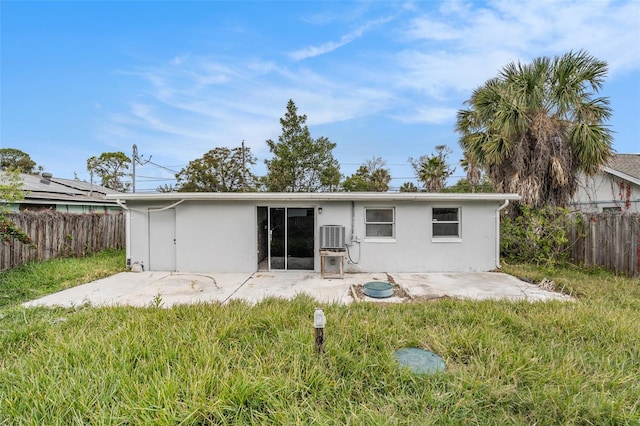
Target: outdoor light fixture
{"type": "Point", "coordinates": [319, 210]}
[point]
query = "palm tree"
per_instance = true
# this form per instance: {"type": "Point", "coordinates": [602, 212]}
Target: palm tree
{"type": "Point", "coordinates": [474, 173]}
{"type": "Point", "coordinates": [380, 179]}
{"type": "Point", "coordinates": [408, 187]}
{"type": "Point", "coordinates": [536, 126]}
{"type": "Point", "coordinates": [433, 170]}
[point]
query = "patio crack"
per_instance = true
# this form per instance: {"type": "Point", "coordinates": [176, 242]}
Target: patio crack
{"type": "Point", "coordinates": [236, 290]}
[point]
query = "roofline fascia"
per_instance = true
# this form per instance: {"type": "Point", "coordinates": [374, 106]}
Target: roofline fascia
{"type": "Point", "coordinates": [314, 196]}
{"type": "Point", "coordinates": [622, 175]}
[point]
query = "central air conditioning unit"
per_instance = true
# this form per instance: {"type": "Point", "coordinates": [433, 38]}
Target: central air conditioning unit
{"type": "Point", "coordinates": [332, 237]}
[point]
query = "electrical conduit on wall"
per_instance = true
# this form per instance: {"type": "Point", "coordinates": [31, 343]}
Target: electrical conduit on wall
{"type": "Point", "coordinates": [502, 207]}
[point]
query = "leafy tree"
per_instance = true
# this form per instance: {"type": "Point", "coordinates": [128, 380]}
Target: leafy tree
{"type": "Point", "coordinates": [10, 188]}
{"type": "Point", "coordinates": [408, 187]}
{"type": "Point", "coordinates": [464, 186]}
{"type": "Point", "coordinates": [219, 170]}
{"type": "Point", "coordinates": [14, 159]}
{"type": "Point", "coordinates": [111, 168]}
{"type": "Point", "coordinates": [432, 171]}
{"type": "Point", "coordinates": [330, 176]}
{"type": "Point", "coordinates": [536, 126]}
{"type": "Point", "coordinates": [10, 192]}
{"type": "Point", "coordinates": [358, 182]}
{"type": "Point", "coordinates": [300, 163]}
{"type": "Point", "coordinates": [371, 176]}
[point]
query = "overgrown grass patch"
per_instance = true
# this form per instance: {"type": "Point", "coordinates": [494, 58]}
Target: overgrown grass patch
{"type": "Point", "coordinates": [36, 279]}
{"type": "Point", "coordinates": [507, 363]}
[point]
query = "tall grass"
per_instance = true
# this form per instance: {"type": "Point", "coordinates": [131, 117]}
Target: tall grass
{"type": "Point", "coordinates": [507, 363]}
{"type": "Point", "coordinates": [35, 279]}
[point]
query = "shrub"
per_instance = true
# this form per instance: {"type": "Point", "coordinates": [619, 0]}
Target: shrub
{"type": "Point", "coordinates": [536, 235]}
{"type": "Point", "coordinates": [10, 231]}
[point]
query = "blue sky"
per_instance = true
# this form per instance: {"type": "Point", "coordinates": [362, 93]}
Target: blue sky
{"type": "Point", "coordinates": [379, 78]}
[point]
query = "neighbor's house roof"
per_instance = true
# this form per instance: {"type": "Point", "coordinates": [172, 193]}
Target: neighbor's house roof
{"type": "Point", "coordinates": [625, 166]}
{"type": "Point", "coordinates": [47, 189]}
{"type": "Point", "coordinates": [312, 196]}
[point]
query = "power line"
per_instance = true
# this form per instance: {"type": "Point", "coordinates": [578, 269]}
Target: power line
{"type": "Point", "coordinates": [162, 167]}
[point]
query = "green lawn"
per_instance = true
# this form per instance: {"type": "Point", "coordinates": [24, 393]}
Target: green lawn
{"type": "Point", "coordinates": [507, 363]}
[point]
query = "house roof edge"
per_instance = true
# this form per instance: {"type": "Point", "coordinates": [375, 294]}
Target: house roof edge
{"type": "Point", "coordinates": [314, 196]}
{"type": "Point", "coordinates": [622, 175]}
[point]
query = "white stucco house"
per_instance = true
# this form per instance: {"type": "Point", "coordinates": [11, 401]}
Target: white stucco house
{"type": "Point", "coordinates": [616, 188]}
{"type": "Point", "coordinates": [365, 232]}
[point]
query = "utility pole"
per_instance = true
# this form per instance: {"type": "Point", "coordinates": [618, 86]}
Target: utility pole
{"type": "Point", "coordinates": [133, 162]}
{"type": "Point", "coordinates": [136, 159]}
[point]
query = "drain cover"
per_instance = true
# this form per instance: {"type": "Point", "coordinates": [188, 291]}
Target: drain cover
{"type": "Point", "coordinates": [378, 289]}
{"type": "Point", "coordinates": [420, 361]}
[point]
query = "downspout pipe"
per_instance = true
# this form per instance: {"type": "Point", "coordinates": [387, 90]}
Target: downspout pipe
{"type": "Point", "coordinates": [127, 230]}
{"type": "Point", "coordinates": [502, 207]}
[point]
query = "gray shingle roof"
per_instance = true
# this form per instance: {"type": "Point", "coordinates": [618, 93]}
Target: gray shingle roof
{"type": "Point", "coordinates": [628, 164]}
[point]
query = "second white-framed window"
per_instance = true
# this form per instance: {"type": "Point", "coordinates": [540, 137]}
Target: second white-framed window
{"type": "Point", "coordinates": [379, 222]}
{"type": "Point", "coordinates": [445, 222]}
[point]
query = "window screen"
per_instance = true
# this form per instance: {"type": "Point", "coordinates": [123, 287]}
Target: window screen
{"type": "Point", "coordinates": [379, 222]}
{"type": "Point", "coordinates": [446, 222]}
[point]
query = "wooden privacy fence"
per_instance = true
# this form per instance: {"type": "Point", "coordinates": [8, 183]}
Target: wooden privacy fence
{"type": "Point", "coordinates": [57, 234]}
{"type": "Point", "coordinates": [611, 241]}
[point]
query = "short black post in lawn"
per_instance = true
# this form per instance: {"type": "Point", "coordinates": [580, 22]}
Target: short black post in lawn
{"type": "Point", "coordinates": [319, 321]}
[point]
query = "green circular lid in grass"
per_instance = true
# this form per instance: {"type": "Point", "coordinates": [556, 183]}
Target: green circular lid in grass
{"type": "Point", "coordinates": [420, 361]}
{"type": "Point", "coordinates": [378, 289]}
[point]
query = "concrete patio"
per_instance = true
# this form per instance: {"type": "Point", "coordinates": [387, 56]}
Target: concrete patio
{"type": "Point", "coordinates": [174, 288]}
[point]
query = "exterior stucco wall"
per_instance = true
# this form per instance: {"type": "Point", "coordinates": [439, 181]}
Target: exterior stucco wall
{"type": "Point", "coordinates": [217, 237]}
{"type": "Point", "coordinates": [139, 235]}
{"type": "Point", "coordinates": [606, 191]}
{"type": "Point", "coordinates": [221, 236]}
{"type": "Point", "coordinates": [414, 249]}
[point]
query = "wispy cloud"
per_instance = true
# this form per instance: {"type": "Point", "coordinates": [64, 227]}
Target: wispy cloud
{"type": "Point", "coordinates": [525, 30]}
{"type": "Point", "coordinates": [454, 49]}
{"type": "Point", "coordinates": [313, 51]}
{"type": "Point", "coordinates": [185, 110]}
{"type": "Point", "coordinates": [429, 62]}
{"type": "Point", "coordinates": [431, 115]}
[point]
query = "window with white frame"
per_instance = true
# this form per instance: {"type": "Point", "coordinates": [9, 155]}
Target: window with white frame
{"type": "Point", "coordinates": [446, 222]}
{"type": "Point", "coordinates": [379, 222]}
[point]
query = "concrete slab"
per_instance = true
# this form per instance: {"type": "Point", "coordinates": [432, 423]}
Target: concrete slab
{"type": "Point", "coordinates": [289, 284]}
{"type": "Point", "coordinates": [476, 285]}
{"type": "Point", "coordinates": [148, 288]}
{"type": "Point", "coordinates": [171, 288]}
